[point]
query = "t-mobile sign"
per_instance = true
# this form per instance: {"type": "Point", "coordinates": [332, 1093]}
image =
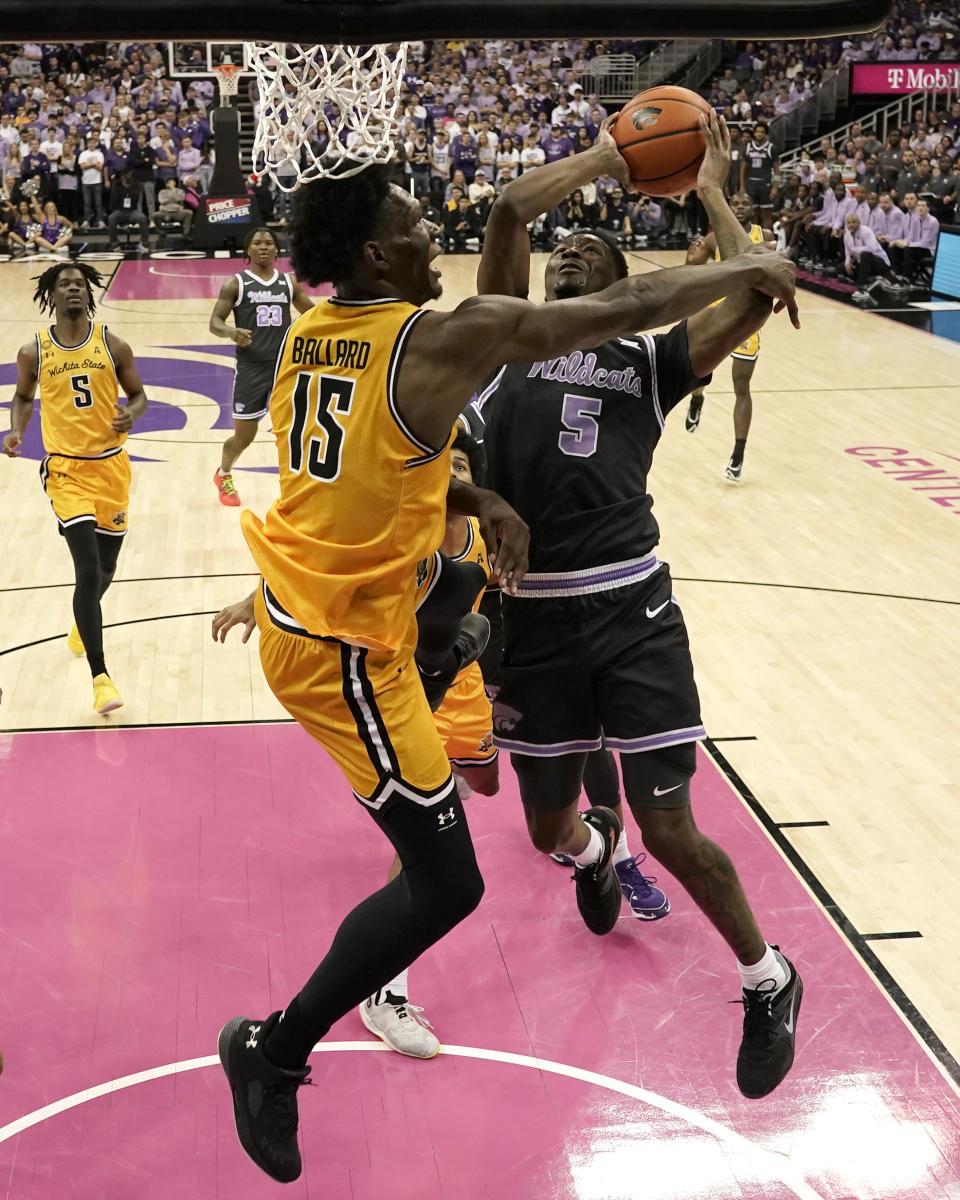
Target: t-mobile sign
{"type": "Point", "coordinates": [876, 79]}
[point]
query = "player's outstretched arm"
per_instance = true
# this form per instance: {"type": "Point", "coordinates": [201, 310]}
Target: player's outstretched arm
{"type": "Point", "coordinates": [505, 263]}
{"type": "Point", "coordinates": [21, 409]}
{"type": "Point", "coordinates": [301, 301]}
{"type": "Point", "coordinates": [505, 533]}
{"type": "Point", "coordinates": [218, 326]}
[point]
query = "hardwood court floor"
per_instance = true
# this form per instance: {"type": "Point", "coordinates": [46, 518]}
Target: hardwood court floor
{"type": "Point", "coordinates": [820, 594]}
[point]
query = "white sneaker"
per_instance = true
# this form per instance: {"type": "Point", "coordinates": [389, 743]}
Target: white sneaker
{"type": "Point", "coordinates": [401, 1025]}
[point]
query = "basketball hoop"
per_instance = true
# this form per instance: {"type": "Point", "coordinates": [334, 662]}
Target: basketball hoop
{"type": "Point", "coordinates": [228, 79]}
{"type": "Point", "coordinates": [326, 112]}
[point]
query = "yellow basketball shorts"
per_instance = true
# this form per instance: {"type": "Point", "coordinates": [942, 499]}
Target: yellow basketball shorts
{"type": "Point", "coordinates": [367, 709]}
{"type": "Point", "coordinates": [749, 349]}
{"type": "Point", "coordinates": [84, 489]}
{"type": "Point", "coordinates": [465, 721]}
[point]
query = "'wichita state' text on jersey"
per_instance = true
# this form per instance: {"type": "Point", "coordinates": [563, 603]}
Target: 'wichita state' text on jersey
{"type": "Point", "coordinates": [569, 444]}
{"type": "Point", "coordinates": [78, 395]}
{"type": "Point", "coordinates": [361, 498]}
{"type": "Point", "coordinates": [263, 307]}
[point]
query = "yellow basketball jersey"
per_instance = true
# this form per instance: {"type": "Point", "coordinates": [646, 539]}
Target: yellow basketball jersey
{"type": "Point", "coordinates": [361, 497]}
{"type": "Point", "coordinates": [756, 236]}
{"type": "Point", "coordinates": [78, 395]}
{"type": "Point", "coordinates": [475, 550]}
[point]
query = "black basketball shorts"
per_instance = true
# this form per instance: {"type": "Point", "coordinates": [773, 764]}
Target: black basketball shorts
{"type": "Point", "coordinates": [252, 385]}
{"type": "Point", "coordinates": [759, 191]}
{"type": "Point", "coordinates": [609, 668]}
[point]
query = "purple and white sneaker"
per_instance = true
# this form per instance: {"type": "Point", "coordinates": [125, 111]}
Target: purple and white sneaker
{"type": "Point", "coordinates": [647, 903]}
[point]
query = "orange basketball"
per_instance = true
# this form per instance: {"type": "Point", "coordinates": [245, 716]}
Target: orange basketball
{"type": "Point", "coordinates": [658, 133]}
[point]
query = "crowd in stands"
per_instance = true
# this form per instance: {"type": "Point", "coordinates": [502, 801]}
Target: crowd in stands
{"type": "Point", "coordinates": [95, 136]}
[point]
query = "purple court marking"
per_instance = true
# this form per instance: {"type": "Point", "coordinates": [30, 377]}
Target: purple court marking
{"type": "Point", "coordinates": [158, 881]}
{"type": "Point", "coordinates": [182, 279]}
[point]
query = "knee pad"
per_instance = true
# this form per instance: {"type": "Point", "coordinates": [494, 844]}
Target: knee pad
{"type": "Point", "coordinates": [660, 778]}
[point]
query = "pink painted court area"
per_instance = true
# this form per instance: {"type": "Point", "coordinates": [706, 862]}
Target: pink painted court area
{"type": "Point", "coordinates": [157, 882]}
{"type": "Point", "coordinates": [183, 279]}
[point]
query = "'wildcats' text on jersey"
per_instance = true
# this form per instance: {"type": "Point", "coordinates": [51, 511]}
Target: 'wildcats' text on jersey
{"type": "Point", "coordinates": [263, 307]}
{"type": "Point", "coordinates": [569, 444]}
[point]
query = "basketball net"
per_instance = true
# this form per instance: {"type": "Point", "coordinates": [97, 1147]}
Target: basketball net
{"type": "Point", "coordinates": [228, 78]}
{"type": "Point", "coordinates": [326, 112]}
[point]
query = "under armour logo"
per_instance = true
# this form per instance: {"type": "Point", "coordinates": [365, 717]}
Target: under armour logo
{"type": "Point", "coordinates": [252, 1040]}
{"type": "Point", "coordinates": [443, 818]}
{"type": "Point", "coordinates": [646, 116]}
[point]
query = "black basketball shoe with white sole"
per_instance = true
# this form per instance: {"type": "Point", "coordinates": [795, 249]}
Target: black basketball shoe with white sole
{"type": "Point", "coordinates": [264, 1097]}
{"type": "Point", "coordinates": [598, 888]}
{"type": "Point", "coordinates": [769, 1033]}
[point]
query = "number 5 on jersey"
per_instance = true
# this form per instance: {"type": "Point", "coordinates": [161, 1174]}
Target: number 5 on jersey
{"type": "Point", "coordinates": [323, 396]}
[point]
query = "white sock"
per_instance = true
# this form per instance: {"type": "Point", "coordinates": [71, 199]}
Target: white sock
{"type": "Point", "coordinates": [771, 966]}
{"type": "Point", "coordinates": [221, 472]}
{"type": "Point", "coordinates": [464, 790]}
{"type": "Point", "coordinates": [397, 987]}
{"type": "Point", "coordinates": [593, 851]}
{"type": "Point", "coordinates": [621, 851]}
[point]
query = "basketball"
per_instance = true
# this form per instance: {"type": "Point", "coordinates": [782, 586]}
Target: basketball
{"type": "Point", "coordinates": [658, 133]}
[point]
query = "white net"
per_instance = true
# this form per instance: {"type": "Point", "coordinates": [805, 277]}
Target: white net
{"type": "Point", "coordinates": [228, 79]}
{"type": "Point", "coordinates": [324, 111]}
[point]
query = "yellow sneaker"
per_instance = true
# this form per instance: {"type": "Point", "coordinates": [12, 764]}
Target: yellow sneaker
{"type": "Point", "coordinates": [105, 696]}
{"type": "Point", "coordinates": [75, 641]}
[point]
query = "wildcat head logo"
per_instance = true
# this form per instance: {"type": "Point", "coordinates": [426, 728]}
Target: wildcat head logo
{"type": "Point", "coordinates": [505, 718]}
{"type": "Point", "coordinates": [644, 117]}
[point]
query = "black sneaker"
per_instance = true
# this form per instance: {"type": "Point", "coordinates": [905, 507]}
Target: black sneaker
{"type": "Point", "coordinates": [692, 420]}
{"type": "Point", "coordinates": [598, 888]}
{"type": "Point", "coordinates": [264, 1097]}
{"type": "Point", "coordinates": [733, 471]}
{"type": "Point", "coordinates": [470, 644]}
{"type": "Point", "coordinates": [769, 1034]}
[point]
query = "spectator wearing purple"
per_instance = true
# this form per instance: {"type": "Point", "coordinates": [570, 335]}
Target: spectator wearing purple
{"type": "Point", "coordinates": [36, 165]}
{"type": "Point", "coordinates": [825, 235]}
{"type": "Point", "coordinates": [919, 242]}
{"type": "Point", "coordinates": [463, 156]}
{"type": "Point", "coordinates": [188, 159]}
{"type": "Point", "coordinates": [556, 145]}
{"type": "Point", "coordinates": [887, 221]}
{"type": "Point", "coordinates": [115, 160]}
{"type": "Point", "coordinates": [861, 194]}
{"type": "Point", "coordinates": [864, 258]}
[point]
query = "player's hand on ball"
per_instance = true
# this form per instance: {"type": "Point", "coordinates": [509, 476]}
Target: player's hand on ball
{"type": "Point", "coordinates": [11, 445]}
{"type": "Point", "coordinates": [242, 337]}
{"type": "Point", "coordinates": [240, 613]}
{"type": "Point", "coordinates": [779, 281]}
{"type": "Point", "coordinates": [615, 164]}
{"type": "Point", "coordinates": [123, 421]}
{"type": "Point", "coordinates": [716, 161]}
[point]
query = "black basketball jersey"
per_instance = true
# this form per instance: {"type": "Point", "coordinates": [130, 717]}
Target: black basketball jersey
{"type": "Point", "coordinates": [263, 306]}
{"type": "Point", "coordinates": [759, 161]}
{"type": "Point", "coordinates": [569, 443]}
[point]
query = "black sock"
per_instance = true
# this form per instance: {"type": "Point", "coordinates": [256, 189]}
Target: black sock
{"type": "Point", "coordinates": [696, 401]}
{"type": "Point", "coordinates": [739, 448]}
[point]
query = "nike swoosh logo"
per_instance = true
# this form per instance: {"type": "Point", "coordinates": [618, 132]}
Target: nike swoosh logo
{"type": "Point", "coordinates": [652, 612]}
{"type": "Point", "coordinates": [657, 791]}
{"type": "Point", "coordinates": [789, 1024]}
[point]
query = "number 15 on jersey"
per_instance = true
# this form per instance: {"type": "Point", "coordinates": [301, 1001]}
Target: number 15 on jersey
{"type": "Point", "coordinates": [317, 401]}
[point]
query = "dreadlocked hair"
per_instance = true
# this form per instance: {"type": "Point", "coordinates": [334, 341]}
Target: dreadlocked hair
{"type": "Point", "coordinates": [48, 281]}
{"type": "Point", "coordinates": [332, 219]}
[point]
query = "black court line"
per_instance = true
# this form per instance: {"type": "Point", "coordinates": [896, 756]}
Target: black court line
{"type": "Point", "coordinates": [747, 737]}
{"type": "Point", "coordinates": [38, 587]}
{"type": "Point", "coordinates": [801, 824]}
{"type": "Point", "coordinates": [150, 725]}
{"type": "Point", "coordinates": [840, 919]}
{"type": "Point", "coordinates": [890, 937]}
{"type": "Point", "coordinates": [115, 625]}
{"type": "Point", "coordinates": [810, 587]}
